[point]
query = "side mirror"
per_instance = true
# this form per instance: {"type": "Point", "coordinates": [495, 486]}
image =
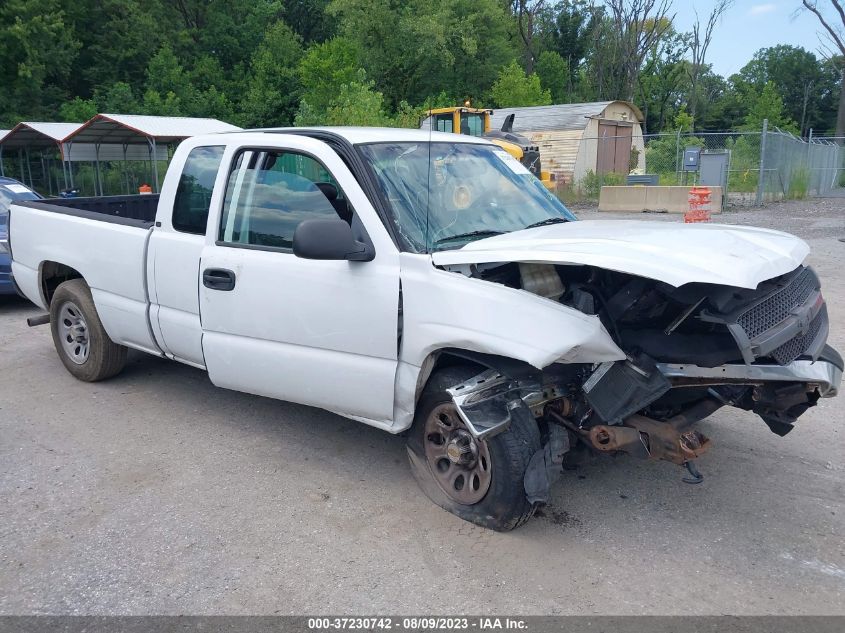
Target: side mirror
{"type": "Point", "coordinates": [330, 238]}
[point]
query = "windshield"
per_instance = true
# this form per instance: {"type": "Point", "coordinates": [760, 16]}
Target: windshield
{"type": "Point", "coordinates": [444, 195]}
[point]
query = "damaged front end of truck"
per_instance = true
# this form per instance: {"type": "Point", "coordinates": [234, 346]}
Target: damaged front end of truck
{"type": "Point", "coordinates": [689, 351]}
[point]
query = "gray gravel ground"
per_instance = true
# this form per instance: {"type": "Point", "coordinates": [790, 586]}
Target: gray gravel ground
{"type": "Point", "coordinates": [157, 493]}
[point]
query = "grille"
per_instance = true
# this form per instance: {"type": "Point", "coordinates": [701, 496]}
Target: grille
{"type": "Point", "coordinates": [793, 348]}
{"type": "Point", "coordinates": [776, 308]}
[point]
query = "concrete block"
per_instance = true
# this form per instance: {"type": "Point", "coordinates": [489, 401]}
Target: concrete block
{"type": "Point", "coordinates": [665, 199]}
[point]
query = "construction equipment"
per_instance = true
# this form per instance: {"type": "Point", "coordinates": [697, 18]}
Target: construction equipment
{"type": "Point", "coordinates": [476, 122]}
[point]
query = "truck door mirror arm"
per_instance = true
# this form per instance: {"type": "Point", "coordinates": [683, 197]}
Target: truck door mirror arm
{"type": "Point", "coordinates": [330, 239]}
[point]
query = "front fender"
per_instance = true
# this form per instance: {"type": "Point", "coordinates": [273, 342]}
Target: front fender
{"type": "Point", "coordinates": [444, 309]}
{"type": "Point", "coordinates": [449, 310]}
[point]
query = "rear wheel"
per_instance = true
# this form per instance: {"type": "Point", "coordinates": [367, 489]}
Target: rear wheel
{"type": "Point", "coordinates": [83, 346]}
{"type": "Point", "coordinates": [481, 481]}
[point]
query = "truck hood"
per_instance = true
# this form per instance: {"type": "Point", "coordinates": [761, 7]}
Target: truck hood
{"type": "Point", "coordinates": [676, 254]}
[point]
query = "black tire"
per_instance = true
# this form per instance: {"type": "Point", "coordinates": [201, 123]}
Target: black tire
{"type": "Point", "coordinates": [104, 357]}
{"type": "Point", "coordinates": [504, 506]}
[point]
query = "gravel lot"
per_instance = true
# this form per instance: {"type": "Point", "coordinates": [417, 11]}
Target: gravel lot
{"type": "Point", "coordinates": [155, 492]}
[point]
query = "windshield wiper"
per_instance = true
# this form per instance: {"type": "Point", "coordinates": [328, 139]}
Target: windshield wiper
{"type": "Point", "coordinates": [546, 222]}
{"type": "Point", "coordinates": [481, 233]}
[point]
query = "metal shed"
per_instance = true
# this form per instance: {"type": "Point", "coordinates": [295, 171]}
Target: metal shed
{"type": "Point", "coordinates": [134, 137]}
{"type": "Point", "coordinates": [576, 138]}
{"type": "Point", "coordinates": [44, 137]}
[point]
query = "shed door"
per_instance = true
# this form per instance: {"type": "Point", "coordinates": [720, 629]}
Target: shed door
{"type": "Point", "coordinates": [614, 147]}
{"type": "Point", "coordinates": [622, 159]}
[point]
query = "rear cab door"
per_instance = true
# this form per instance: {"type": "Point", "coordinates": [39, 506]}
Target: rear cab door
{"type": "Point", "coordinates": [194, 183]}
{"type": "Point", "coordinates": [322, 333]}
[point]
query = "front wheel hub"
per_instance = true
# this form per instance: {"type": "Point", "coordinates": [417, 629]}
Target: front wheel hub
{"type": "Point", "coordinates": [459, 463]}
{"type": "Point", "coordinates": [462, 449]}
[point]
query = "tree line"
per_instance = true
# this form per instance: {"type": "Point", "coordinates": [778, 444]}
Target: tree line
{"type": "Point", "coordinates": [382, 62]}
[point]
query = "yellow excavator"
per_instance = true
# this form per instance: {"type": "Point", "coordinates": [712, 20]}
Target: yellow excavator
{"type": "Point", "coordinates": [476, 122]}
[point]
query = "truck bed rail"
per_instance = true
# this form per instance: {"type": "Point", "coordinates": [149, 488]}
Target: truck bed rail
{"type": "Point", "coordinates": [132, 210]}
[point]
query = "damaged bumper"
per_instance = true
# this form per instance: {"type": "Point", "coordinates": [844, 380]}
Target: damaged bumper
{"type": "Point", "coordinates": [486, 403]}
{"type": "Point", "coordinates": [825, 373]}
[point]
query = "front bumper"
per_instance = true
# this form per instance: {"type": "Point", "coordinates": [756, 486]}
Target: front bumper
{"type": "Point", "coordinates": [825, 373]}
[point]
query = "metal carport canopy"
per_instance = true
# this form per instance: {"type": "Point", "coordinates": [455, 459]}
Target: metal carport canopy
{"type": "Point", "coordinates": [127, 129]}
{"type": "Point", "coordinates": [34, 135]}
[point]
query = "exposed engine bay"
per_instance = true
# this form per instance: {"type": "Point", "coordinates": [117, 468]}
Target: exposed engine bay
{"type": "Point", "coordinates": [690, 350]}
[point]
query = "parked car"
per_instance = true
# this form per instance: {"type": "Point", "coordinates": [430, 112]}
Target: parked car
{"type": "Point", "coordinates": [428, 284]}
{"type": "Point", "coordinates": [10, 191]}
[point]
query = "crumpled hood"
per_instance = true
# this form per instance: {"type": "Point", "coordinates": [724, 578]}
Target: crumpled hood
{"type": "Point", "coordinates": [674, 253]}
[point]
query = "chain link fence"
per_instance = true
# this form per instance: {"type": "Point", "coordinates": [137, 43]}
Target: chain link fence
{"type": "Point", "coordinates": [664, 154]}
{"type": "Point", "coordinates": [762, 166]}
{"type": "Point", "coordinates": [794, 168]}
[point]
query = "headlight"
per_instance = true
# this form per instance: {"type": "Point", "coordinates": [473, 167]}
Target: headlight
{"type": "Point", "coordinates": [4, 246]}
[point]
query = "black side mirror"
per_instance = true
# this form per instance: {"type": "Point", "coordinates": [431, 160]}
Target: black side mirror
{"type": "Point", "coordinates": [330, 238]}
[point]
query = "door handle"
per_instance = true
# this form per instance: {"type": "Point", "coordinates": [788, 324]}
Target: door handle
{"type": "Point", "coordinates": [218, 279]}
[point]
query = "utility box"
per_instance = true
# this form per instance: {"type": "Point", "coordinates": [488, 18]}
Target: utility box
{"type": "Point", "coordinates": [714, 168]}
{"type": "Point", "coordinates": [692, 158]}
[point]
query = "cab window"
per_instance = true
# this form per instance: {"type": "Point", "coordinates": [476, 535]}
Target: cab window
{"type": "Point", "coordinates": [270, 192]}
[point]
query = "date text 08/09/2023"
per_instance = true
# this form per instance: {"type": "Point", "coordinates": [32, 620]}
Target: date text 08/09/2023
{"type": "Point", "coordinates": [417, 623]}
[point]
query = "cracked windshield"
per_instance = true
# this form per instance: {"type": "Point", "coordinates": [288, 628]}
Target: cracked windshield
{"type": "Point", "coordinates": [445, 195]}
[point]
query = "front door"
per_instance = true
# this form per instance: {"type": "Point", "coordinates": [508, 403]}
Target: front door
{"type": "Point", "coordinates": [322, 333]}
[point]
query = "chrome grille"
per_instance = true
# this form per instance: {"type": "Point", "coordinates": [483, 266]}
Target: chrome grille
{"type": "Point", "coordinates": [794, 347]}
{"type": "Point", "coordinates": [776, 308]}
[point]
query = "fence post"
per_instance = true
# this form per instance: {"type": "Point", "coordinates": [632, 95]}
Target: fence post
{"type": "Point", "coordinates": [810, 173]}
{"type": "Point", "coordinates": [678, 156]}
{"type": "Point", "coordinates": [760, 181]}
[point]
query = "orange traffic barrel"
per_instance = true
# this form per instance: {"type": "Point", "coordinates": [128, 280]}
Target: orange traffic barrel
{"type": "Point", "coordinates": [699, 205]}
{"type": "Point", "coordinates": [145, 189]}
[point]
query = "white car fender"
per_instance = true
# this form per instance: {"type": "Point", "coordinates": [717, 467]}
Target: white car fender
{"type": "Point", "coordinates": [449, 310]}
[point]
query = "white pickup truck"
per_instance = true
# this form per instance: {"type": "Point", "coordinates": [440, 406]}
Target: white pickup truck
{"type": "Point", "coordinates": [427, 283]}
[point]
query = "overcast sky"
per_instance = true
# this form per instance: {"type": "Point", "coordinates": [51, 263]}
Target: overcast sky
{"type": "Point", "coordinates": [749, 26]}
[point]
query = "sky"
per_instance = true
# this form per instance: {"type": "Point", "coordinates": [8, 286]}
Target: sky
{"type": "Point", "coordinates": [751, 25]}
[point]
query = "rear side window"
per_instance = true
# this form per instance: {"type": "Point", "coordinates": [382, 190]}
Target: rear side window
{"type": "Point", "coordinates": [193, 195]}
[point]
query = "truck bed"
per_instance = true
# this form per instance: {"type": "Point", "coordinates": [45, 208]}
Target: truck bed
{"type": "Point", "coordinates": [103, 240]}
{"type": "Point", "coordinates": [116, 209]}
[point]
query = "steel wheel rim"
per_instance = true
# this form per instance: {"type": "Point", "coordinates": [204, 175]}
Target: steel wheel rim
{"type": "Point", "coordinates": [459, 463]}
{"type": "Point", "coordinates": [73, 333]}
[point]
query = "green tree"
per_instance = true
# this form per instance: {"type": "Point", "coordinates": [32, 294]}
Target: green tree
{"type": "Point", "coordinates": [37, 51]}
{"type": "Point", "coordinates": [169, 91]}
{"type": "Point", "coordinates": [308, 18]}
{"type": "Point", "coordinates": [325, 67]}
{"type": "Point", "coordinates": [273, 86]}
{"type": "Point", "coordinates": [118, 98]}
{"type": "Point", "coordinates": [77, 110]}
{"type": "Point", "coordinates": [230, 30]}
{"type": "Point", "coordinates": [553, 72]}
{"type": "Point", "coordinates": [354, 103]}
{"type": "Point", "coordinates": [663, 80]}
{"type": "Point", "coordinates": [117, 39]}
{"type": "Point", "coordinates": [800, 79]}
{"type": "Point", "coordinates": [419, 48]}
{"type": "Point", "coordinates": [514, 88]}
{"type": "Point", "coordinates": [769, 105]}
{"type": "Point", "coordinates": [573, 35]}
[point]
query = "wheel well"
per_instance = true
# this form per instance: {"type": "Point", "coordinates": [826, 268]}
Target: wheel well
{"type": "Point", "coordinates": [450, 357]}
{"type": "Point", "coordinates": [53, 274]}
